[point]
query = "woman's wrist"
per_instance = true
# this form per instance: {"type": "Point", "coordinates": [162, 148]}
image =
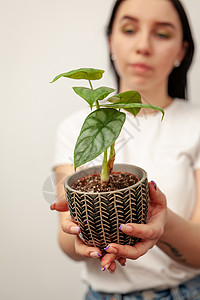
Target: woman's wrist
{"type": "Point", "coordinates": [168, 225]}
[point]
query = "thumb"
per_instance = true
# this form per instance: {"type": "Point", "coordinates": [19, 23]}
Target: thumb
{"type": "Point", "coordinates": [156, 195]}
{"type": "Point", "coordinates": [60, 206]}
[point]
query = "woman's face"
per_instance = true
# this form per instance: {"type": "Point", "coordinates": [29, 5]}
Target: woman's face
{"type": "Point", "coordinates": [145, 42]}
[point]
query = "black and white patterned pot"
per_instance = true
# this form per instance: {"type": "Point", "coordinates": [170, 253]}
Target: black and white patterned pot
{"type": "Point", "coordinates": [100, 215]}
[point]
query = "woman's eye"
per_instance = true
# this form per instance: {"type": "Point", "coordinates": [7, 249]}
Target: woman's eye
{"type": "Point", "coordinates": [128, 30]}
{"type": "Point", "coordinates": [163, 35]}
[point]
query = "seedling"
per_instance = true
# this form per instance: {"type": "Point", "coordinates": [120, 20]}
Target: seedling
{"type": "Point", "coordinates": [103, 125]}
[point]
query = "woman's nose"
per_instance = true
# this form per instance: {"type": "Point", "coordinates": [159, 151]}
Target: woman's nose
{"type": "Point", "coordinates": [143, 44]}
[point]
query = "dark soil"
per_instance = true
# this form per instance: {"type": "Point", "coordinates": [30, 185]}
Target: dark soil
{"type": "Point", "coordinates": [92, 183]}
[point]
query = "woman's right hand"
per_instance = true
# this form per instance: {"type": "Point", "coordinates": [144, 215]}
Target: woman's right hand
{"type": "Point", "coordinates": [69, 226]}
{"type": "Point", "coordinates": [75, 247]}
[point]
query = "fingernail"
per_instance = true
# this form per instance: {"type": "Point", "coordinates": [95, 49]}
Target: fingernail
{"type": "Point", "coordinates": [155, 186]}
{"type": "Point", "coordinates": [112, 249]}
{"type": "Point", "coordinates": [106, 267]}
{"type": "Point", "coordinates": [52, 206]}
{"type": "Point", "coordinates": [107, 247]}
{"type": "Point", "coordinates": [123, 265]}
{"type": "Point", "coordinates": [95, 254]}
{"type": "Point", "coordinates": [75, 230]}
{"type": "Point", "coordinates": [120, 227]}
{"type": "Point", "coordinates": [111, 272]}
{"type": "Point", "coordinates": [126, 228]}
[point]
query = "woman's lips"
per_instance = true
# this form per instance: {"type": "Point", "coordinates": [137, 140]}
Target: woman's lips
{"type": "Point", "coordinates": [141, 68]}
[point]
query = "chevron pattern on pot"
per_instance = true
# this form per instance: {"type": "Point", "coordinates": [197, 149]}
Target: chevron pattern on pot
{"type": "Point", "coordinates": [99, 215]}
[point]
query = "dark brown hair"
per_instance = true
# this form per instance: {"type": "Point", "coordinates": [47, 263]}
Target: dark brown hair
{"type": "Point", "coordinates": [177, 83]}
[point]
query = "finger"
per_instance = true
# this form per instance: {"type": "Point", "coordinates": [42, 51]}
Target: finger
{"type": "Point", "coordinates": [87, 251]}
{"type": "Point", "coordinates": [140, 248]}
{"type": "Point", "coordinates": [143, 231]}
{"type": "Point", "coordinates": [61, 206]}
{"type": "Point", "coordinates": [155, 193]}
{"type": "Point", "coordinates": [150, 230]}
{"type": "Point", "coordinates": [108, 262]}
{"type": "Point", "coordinates": [70, 227]}
{"type": "Point", "coordinates": [107, 259]}
{"type": "Point", "coordinates": [112, 267]}
{"type": "Point", "coordinates": [133, 252]}
{"type": "Point", "coordinates": [122, 261]}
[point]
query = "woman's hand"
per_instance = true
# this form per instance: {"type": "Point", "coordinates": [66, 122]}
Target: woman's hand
{"type": "Point", "coordinates": [69, 226]}
{"type": "Point", "coordinates": [86, 251]}
{"type": "Point", "coordinates": [149, 233]}
{"type": "Point", "coordinates": [60, 205]}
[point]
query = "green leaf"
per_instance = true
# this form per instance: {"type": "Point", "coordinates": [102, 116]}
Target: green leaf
{"type": "Point", "coordinates": [126, 106]}
{"type": "Point", "coordinates": [93, 95]}
{"type": "Point", "coordinates": [100, 130]}
{"type": "Point", "coordinates": [103, 92]}
{"type": "Point", "coordinates": [128, 97]}
{"type": "Point", "coordinates": [83, 73]}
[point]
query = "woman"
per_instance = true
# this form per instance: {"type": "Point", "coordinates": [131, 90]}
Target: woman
{"type": "Point", "coordinates": [151, 48]}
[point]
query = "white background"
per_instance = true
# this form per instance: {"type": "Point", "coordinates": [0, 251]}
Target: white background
{"type": "Point", "coordinates": [40, 39]}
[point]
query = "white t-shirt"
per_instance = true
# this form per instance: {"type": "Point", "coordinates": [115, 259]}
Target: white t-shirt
{"type": "Point", "coordinates": [170, 152]}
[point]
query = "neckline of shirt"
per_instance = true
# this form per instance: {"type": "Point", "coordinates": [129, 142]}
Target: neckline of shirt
{"type": "Point", "coordinates": [167, 109]}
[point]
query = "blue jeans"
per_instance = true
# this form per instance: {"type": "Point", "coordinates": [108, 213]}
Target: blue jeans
{"type": "Point", "coordinates": [189, 290]}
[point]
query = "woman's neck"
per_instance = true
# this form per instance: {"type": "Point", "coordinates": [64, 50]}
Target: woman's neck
{"type": "Point", "coordinates": [157, 99]}
{"type": "Point", "coordinates": [157, 96]}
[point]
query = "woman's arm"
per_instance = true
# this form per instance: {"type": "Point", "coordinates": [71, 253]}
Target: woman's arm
{"type": "Point", "coordinates": [69, 242]}
{"type": "Point", "coordinates": [66, 241]}
{"type": "Point", "coordinates": [180, 238]}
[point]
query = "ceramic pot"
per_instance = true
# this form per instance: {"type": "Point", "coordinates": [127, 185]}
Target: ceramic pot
{"type": "Point", "coordinates": [99, 215]}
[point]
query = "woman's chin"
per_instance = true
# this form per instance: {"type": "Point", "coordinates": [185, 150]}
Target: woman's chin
{"type": "Point", "coordinates": [140, 85]}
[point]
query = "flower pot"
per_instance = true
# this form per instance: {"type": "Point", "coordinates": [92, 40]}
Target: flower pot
{"type": "Point", "coordinates": [99, 215]}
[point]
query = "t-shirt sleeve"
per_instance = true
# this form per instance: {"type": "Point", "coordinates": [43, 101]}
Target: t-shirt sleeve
{"type": "Point", "coordinates": [66, 136]}
{"type": "Point", "coordinates": [196, 136]}
{"type": "Point", "coordinates": [197, 156]}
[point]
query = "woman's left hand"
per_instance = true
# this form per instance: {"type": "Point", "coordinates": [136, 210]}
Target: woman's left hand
{"type": "Point", "coordinates": [149, 233]}
{"type": "Point", "coordinates": [86, 251]}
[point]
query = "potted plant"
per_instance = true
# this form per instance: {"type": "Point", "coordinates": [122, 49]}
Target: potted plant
{"type": "Point", "coordinates": [101, 198]}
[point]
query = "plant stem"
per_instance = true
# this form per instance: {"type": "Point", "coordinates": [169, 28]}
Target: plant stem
{"type": "Point", "coordinates": [90, 84]}
{"type": "Point", "coordinates": [96, 102]}
{"type": "Point", "coordinates": [112, 151]}
{"type": "Point", "coordinates": [111, 158]}
{"type": "Point", "coordinates": [104, 172]}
